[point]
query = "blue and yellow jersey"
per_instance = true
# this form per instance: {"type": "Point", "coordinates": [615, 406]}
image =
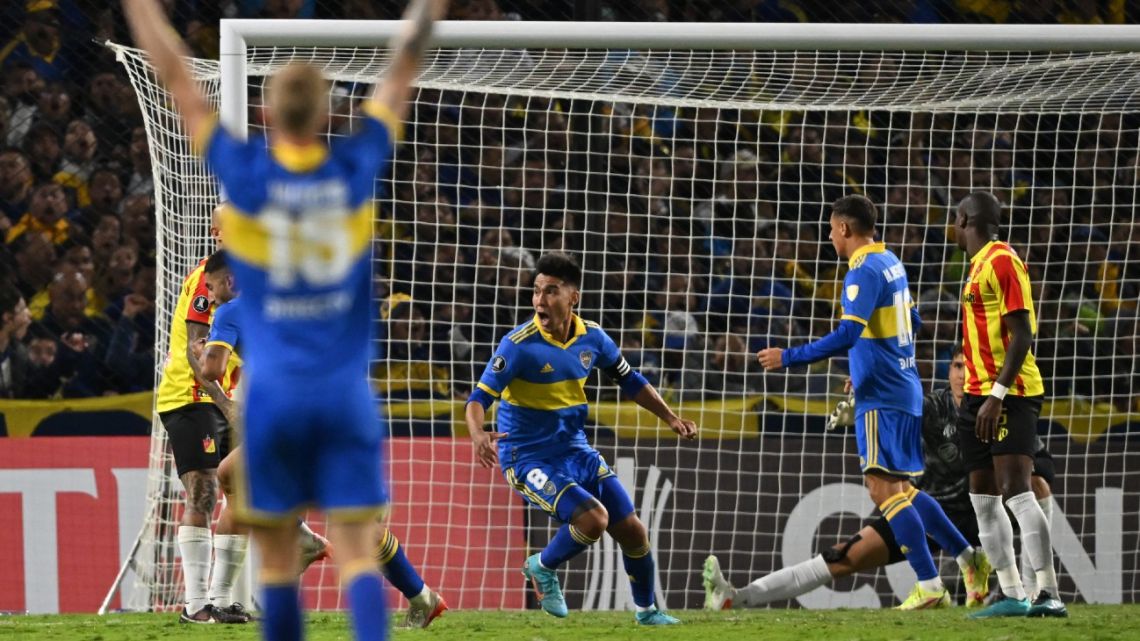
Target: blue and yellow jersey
{"type": "Point", "coordinates": [877, 296]}
{"type": "Point", "coordinates": [298, 226]}
{"type": "Point", "coordinates": [541, 382]}
{"type": "Point", "coordinates": [224, 327]}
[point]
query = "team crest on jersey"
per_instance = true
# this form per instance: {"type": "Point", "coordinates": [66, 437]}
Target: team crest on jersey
{"type": "Point", "coordinates": [586, 357]}
{"type": "Point", "coordinates": [852, 292]}
{"type": "Point", "coordinates": [549, 488]}
{"type": "Point", "coordinates": [208, 445]}
{"type": "Point", "coordinates": [498, 364]}
{"type": "Point", "coordinates": [201, 304]}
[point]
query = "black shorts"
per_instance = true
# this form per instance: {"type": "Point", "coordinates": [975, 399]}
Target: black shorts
{"type": "Point", "coordinates": [199, 436]}
{"type": "Point", "coordinates": [1044, 466]}
{"type": "Point", "coordinates": [1017, 430]}
{"type": "Point", "coordinates": [965, 521]}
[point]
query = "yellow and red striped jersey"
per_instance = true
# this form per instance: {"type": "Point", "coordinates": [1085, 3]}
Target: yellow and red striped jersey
{"type": "Point", "coordinates": [178, 386]}
{"type": "Point", "coordinates": [997, 285]}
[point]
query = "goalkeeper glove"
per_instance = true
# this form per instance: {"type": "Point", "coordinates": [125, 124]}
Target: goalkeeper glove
{"type": "Point", "coordinates": [843, 415]}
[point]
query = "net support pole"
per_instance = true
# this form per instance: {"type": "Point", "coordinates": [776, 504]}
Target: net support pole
{"type": "Point", "coordinates": [234, 110]}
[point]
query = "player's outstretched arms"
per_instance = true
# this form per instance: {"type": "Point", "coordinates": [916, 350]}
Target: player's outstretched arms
{"type": "Point", "coordinates": [837, 342]}
{"type": "Point", "coordinates": [486, 452]}
{"type": "Point", "coordinates": [648, 398]}
{"type": "Point", "coordinates": [154, 34]}
{"type": "Point", "coordinates": [395, 87]}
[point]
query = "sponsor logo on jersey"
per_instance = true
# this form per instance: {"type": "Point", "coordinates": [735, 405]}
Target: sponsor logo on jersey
{"type": "Point", "coordinates": [546, 369]}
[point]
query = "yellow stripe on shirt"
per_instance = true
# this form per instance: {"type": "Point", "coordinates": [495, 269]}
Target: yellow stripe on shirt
{"type": "Point", "coordinates": [546, 396]}
{"type": "Point", "coordinates": [249, 239]}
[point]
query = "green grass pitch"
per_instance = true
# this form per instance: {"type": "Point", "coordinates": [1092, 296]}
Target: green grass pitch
{"type": "Point", "coordinates": [1085, 623]}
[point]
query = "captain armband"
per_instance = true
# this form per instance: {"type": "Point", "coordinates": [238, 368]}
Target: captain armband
{"type": "Point", "coordinates": [630, 380]}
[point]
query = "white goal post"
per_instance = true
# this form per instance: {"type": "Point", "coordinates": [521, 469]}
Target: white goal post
{"type": "Point", "coordinates": [688, 166]}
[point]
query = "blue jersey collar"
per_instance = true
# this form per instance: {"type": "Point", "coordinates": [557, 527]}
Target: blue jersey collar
{"type": "Point", "coordinates": [579, 330]}
{"type": "Point", "coordinates": [299, 158]}
{"type": "Point", "coordinates": [861, 253]}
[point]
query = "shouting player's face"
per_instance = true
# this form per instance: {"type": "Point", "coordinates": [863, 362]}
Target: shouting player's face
{"type": "Point", "coordinates": [554, 301]}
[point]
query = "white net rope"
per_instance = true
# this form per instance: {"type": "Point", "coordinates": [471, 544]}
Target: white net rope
{"type": "Point", "coordinates": [693, 188]}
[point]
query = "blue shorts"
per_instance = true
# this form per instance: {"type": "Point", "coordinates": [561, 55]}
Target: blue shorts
{"type": "Point", "coordinates": [558, 486]}
{"type": "Point", "coordinates": [322, 448]}
{"type": "Point", "coordinates": [889, 441]}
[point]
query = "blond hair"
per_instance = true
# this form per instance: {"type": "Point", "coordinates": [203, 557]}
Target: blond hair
{"type": "Point", "coordinates": [296, 96]}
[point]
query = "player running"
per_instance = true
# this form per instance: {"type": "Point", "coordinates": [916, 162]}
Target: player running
{"type": "Point", "coordinates": [876, 331]}
{"type": "Point", "coordinates": [298, 232]}
{"type": "Point", "coordinates": [220, 349]}
{"type": "Point", "coordinates": [539, 372]}
{"type": "Point", "coordinates": [875, 545]}
{"type": "Point", "coordinates": [998, 417]}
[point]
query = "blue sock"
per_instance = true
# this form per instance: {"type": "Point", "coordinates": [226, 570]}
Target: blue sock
{"type": "Point", "coordinates": [639, 567]}
{"type": "Point", "coordinates": [937, 524]}
{"type": "Point", "coordinates": [366, 602]}
{"type": "Point", "coordinates": [906, 525]}
{"type": "Point", "coordinates": [567, 543]}
{"type": "Point", "coordinates": [397, 568]}
{"type": "Point", "coordinates": [281, 612]}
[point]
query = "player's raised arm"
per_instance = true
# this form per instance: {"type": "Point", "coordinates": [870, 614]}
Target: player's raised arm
{"type": "Point", "coordinates": [395, 87]}
{"type": "Point", "coordinates": [153, 32]}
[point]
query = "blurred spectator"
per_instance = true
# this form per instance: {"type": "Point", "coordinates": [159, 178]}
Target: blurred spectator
{"type": "Point", "coordinates": [82, 340]}
{"type": "Point", "coordinates": [34, 257]}
{"type": "Point", "coordinates": [14, 323]}
{"type": "Point", "coordinates": [54, 105]}
{"type": "Point", "coordinates": [130, 350]}
{"type": "Point", "coordinates": [79, 149]}
{"type": "Point", "coordinates": [38, 44]}
{"type": "Point", "coordinates": [408, 367]}
{"type": "Point", "coordinates": [104, 195]}
{"type": "Point", "coordinates": [21, 88]}
{"type": "Point", "coordinates": [141, 182]}
{"type": "Point", "coordinates": [46, 215]}
{"type": "Point", "coordinates": [43, 147]}
{"type": "Point", "coordinates": [15, 187]}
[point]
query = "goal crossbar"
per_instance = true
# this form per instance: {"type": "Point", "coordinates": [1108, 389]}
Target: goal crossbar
{"type": "Point", "coordinates": [238, 35]}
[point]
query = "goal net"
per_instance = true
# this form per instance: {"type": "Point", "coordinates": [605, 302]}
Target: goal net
{"type": "Point", "coordinates": [693, 186]}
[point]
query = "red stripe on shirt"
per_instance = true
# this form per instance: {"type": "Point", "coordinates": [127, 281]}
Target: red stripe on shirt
{"type": "Point", "coordinates": [985, 352]}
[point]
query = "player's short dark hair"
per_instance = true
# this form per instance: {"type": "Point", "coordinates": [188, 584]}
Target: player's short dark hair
{"type": "Point", "coordinates": [859, 211]}
{"type": "Point", "coordinates": [956, 350]}
{"type": "Point", "coordinates": [560, 265]}
{"type": "Point", "coordinates": [216, 262]}
{"type": "Point", "coordinates": [983, 212]}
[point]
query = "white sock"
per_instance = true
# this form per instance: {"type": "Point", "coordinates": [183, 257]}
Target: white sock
{"type": "Point", "coordinates": [785, 583]}
{"type": "Point", "coordinates": [195, 546]}
{"type": "Point", "coordinates": [1047, 508]}
{"type": "Point", "coordinates": [965, 558]}
{"type": "Point", "coordinates": [995, 531]}
{"type": "Point", "coordinates": [229, 556]}
{"type": "Point", "coordinates": [931, 585]}
{"type": "Point", "coordinates": [1035, 539]}
{"type": "Point", "coordinates": [422, 599]}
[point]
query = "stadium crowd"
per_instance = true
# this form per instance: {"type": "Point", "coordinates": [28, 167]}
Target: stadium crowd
{"type": "Point", "coordinates": [713, 231]}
